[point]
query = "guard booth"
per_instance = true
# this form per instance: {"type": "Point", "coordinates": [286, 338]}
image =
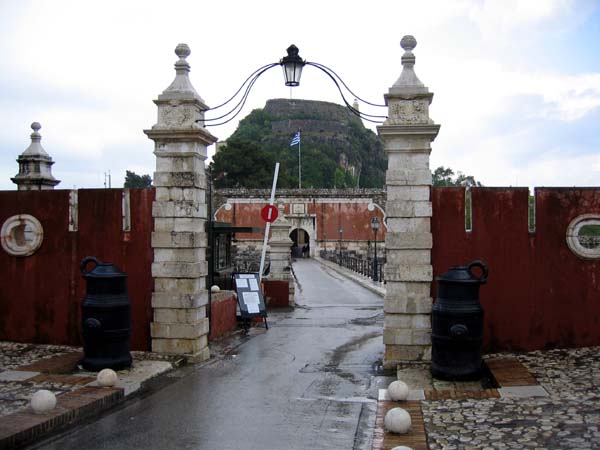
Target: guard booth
{"type": "Point", "coordinates": [220, 264]}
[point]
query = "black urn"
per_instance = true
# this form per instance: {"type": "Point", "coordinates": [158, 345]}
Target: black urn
{"type": "Point", "coordinates": [106, 317]}
{"type": "Point", "coordinates": [457, 323]}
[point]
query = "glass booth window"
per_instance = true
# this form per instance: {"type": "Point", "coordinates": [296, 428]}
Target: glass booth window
{"type": "Point", "coordinates": [222, 251]}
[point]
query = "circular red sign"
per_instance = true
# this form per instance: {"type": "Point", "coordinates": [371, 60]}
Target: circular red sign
{"type": "Point", "coordinates": [269, 213]}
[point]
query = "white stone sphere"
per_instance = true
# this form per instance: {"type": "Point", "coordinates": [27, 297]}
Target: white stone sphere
{"type": "Point", "coordinates": [107, 378]}
{"type": "Point", "coordinates": [43, 401]}
{"type": "Point", "coordinates": [398, 391]}
{"type": "Point", "coordinates": [215, 288]}
{"type": "Point", "coordinates": [402, 447]}
{"type": "Point", "coordinates": [397, 420]}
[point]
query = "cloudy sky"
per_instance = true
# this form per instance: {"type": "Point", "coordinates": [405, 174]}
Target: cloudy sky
{"type": "Point", "coordinates": [516, 83]}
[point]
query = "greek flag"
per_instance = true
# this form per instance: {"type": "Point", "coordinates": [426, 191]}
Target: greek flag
{"type": "Point", "coordinates": [296, 139]}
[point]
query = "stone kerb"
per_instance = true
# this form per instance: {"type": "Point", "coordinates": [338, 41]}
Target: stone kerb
{"type": "Point", "coordinates": [407, 134]}
{"type": "Point", "coordinates": [180, 325]}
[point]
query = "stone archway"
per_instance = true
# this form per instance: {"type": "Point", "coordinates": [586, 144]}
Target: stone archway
{"type": "Point", "coordinates": [301, 243]}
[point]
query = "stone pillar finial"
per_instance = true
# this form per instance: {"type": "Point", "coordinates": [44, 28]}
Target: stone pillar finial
{"type": "Point", "coordinates": [179, 105]}
{"type": "Point", "coordinates": [183, 51]}
{"type": "Point", "coordinates": [35, 148]}
{"type": "Point", "coordinates": [408, 77]}
{"type": "Point", "coordinates": [181, 85]}
{"type": "Point", "coordinates": [36, 136]}
{"type": "Point", "coordinates": [35, 165]}
{"type": "Point", "coordinates": [182, 66]}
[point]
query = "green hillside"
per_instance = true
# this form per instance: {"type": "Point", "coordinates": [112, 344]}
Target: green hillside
{"type": "Point", "coordinates": [336, 149]}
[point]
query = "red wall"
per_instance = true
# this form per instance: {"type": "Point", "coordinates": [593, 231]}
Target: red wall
{"type": "Point", "coordinates": [538, 294]}
{"type": "Point", "coordinates": [223, 318]}
{"type": "Point", "coordinates": [353, 217]}
{"type": "Point", "coordinates": [276, 293]}
{"type": "Point", "coordinates": [41, 295]}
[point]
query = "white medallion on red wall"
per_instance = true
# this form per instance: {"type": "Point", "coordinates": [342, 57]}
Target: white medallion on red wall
{"type": "Point", "coordinates": [583, 236]}
{"type": "Point", "coordinates": [21, 235]}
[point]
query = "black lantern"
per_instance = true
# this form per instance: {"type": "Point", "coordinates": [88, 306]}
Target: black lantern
{"type": "Point", "coordinates": [375, 227]}
{"type": "Point", "coordinates": [292, 66]}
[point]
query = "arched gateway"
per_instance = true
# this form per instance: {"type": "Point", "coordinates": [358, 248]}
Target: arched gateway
{"type": "Point", "coordinates": [322, 219]}
{"type": "Point", "coordinates": [301, 243]}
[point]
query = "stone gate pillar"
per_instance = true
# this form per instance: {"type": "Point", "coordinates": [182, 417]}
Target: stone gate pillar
{"type": "Point", "coordinates": [280, 251]}
{"type": "Point", "coordinates": [407, 135]}
{"type": "Point", "coordinates": [180, 296]}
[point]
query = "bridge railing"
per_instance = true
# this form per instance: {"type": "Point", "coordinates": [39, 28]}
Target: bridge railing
{"type": "Point", "coordinates": [356, 263]}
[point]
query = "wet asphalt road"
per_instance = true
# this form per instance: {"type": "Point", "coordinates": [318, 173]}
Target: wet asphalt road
{"type": "Point", "coordinates": [306, 383]}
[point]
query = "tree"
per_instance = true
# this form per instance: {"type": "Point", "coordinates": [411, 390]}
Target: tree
{"type": "Point", "coordinates": [133, 180]}
{"type": "Point", "coordinates": [443, 176]}
{"type": "Point", "coordinates": [330, 130]}
{"type": "Point", "coordinates": [242, 163]}
{"type": "Point", "coordinates": [339, 178]}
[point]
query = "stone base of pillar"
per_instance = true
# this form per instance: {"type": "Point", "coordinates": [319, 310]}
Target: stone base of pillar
{"type": "Point", "coordinates": [292, 293]}
{"type": "Point", "coordinates": [201, 356]}
{"type": "Point", "coordinates": [396, 354]}
{"type": "Point", "coordinates": [195, 350]}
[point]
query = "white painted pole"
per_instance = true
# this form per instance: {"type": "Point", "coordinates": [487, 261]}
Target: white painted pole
{"type": "Point", "coordinates": [299, 168]}
{"type": "Point", "coordinates": [268, 227]}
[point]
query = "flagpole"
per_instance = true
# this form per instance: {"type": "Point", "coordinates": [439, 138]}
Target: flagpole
{"type": "Point", "coordinates": [299, 168]}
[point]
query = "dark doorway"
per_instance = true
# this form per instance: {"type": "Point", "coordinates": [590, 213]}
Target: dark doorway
{"type": "Point", "coordinates": [301, 245]}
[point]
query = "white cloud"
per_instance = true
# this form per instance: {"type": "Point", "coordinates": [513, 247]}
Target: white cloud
{"type": "Point", "coordinates": [100, 65]}
{"type": "Point", "coordinates": [504, 16]}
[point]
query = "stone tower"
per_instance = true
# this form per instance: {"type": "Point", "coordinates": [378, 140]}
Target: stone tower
{"type": "Point", "coordinates": [35, 166]}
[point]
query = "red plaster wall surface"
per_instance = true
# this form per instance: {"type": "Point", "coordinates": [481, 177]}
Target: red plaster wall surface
{"type": "Point", "coordinates": [41, 295]}
{"type": "Point", "coordinates": [539, 294]}
{"type": "Point", "coordinates": [222, 314]}
{"type": "Point", "coordinates": [276, 293]}
{"type": "Point", "coordinates": [353, 217]}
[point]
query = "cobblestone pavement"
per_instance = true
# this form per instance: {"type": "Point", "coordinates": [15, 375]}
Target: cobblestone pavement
{"type": "Point", "coordinates": [14, 354]}
{"type": "Point", "coordinates": [17, 386]}
{"type": "Point", "coordinates": [569, 418]}
{"type": "Point", "coordinates": [15, 394]}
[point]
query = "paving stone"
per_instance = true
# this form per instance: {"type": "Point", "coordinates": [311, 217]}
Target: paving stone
{"type": "Point", "coordinates": [17, 375]}
{"type": "Point", "coordinates": [523, 391]}
{"type": "Point", "coordinates": [566, 417]}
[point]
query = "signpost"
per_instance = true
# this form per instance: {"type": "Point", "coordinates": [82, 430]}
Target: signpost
{"type": "Point", "coordinates": [247, 285]}
{"type": "Point", "coordinates": [270, 211]}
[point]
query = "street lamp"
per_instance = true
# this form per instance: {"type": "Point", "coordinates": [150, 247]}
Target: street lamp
{"type": "Point", "coordinates": [375, 227]}
{"type": "Point", "coordinates": [340, 231]}
{"type": "Point", "coordinates": [292, 65]}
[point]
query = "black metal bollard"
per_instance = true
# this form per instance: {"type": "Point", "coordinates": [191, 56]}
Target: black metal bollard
{"type": "Point", "coordinates": [106, 317]}
{"type": "Point", "coordinates": [457, 324]}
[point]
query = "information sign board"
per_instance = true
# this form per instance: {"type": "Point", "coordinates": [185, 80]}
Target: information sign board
{"type": "Point", "coordinates": [250, 299]}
